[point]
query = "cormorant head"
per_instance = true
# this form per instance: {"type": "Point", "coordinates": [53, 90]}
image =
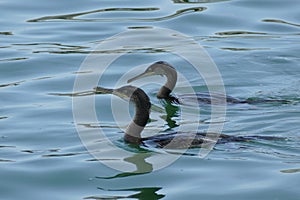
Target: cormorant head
{"type": "Point", "coordinates": [129, 93]}
{"type": "Point", "coordinates": [161, 68]}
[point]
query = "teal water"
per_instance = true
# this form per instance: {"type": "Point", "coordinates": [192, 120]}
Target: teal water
{"type": "Point", "coordinates": [255, 45]}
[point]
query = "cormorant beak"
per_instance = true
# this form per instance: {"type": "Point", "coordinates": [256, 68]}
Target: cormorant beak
{"type": "Point", "coordinates": [101, 90]}
{"type": "Point", "coordinates": [142, 75]}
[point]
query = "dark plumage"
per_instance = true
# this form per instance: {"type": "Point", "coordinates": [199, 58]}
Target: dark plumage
{"type": "Point", "coordinates": [163, 68]}
{"type": "Point", "coordinates": [170, 140]}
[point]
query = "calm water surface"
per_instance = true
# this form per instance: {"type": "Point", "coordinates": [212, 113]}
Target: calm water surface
{"type": "Point", "coordinates": [255, 45]}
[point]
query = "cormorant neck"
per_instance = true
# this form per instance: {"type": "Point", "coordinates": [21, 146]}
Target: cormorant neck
{"type": "Point", "coordinates": [140, 119]}
{"type": "Point", "coordinates": [167, 88]}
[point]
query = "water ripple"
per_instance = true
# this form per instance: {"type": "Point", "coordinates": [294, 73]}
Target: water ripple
{"type": "Point", "coordinates": [5, 160]}
{"type": "Point", "coordinates": [280, 22]}
{"type": "Point", "coordinates": [4, 146]}
{"type": "Point", "coordinates": [59, 48]}
{"type": "Point", "coordinates": [13, 59]}
{"type": "Point", "coordinates": [234, 33]}
{"type": "Point", "coordinates": [11, 84]}
{"type": "Point", "coordinates": [6, 33]}
{"type": "Point", "coordinates": [120, 50]}
{"type": "Point", "coordinates": [138, 193]}
{"type": "Point", "coordinates": [243, 49]}
{"type": "Point", "coordinates": [48, 47]}
{"type": "Point", "coordinates": [198, 1]}
{"type": "Point", "coordinates": [63, 154]}
{"type": "Point", "coordinates": [290, 170]}
{"type": "Point", "coordinates": [72, 17]}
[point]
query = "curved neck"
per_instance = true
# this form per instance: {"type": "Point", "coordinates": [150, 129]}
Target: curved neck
{"type": "Point", "coordinates": [140, 119]}
{"type": "Point", "coordinates": [167, 88]}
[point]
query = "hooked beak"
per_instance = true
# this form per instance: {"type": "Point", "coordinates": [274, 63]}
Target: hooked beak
{"type": "Point", "coordinates": [142, 75]}
{"type": "Point", "coordinates": [101, 90]}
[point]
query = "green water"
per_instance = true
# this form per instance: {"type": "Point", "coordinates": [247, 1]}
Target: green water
{"type": "Point", "coordinates": [255, 45]}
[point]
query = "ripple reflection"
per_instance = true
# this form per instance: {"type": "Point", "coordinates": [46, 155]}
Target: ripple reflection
{"type": "Point", "coordinates": [280, 22]}
{"type": "Point", "coordinates": [72, 17]}
{"type": "Point", "coordinates": [138, 193]}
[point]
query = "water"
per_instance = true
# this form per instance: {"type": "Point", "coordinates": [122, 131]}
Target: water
{"type": "Point", "coordinates": [255, 45]}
